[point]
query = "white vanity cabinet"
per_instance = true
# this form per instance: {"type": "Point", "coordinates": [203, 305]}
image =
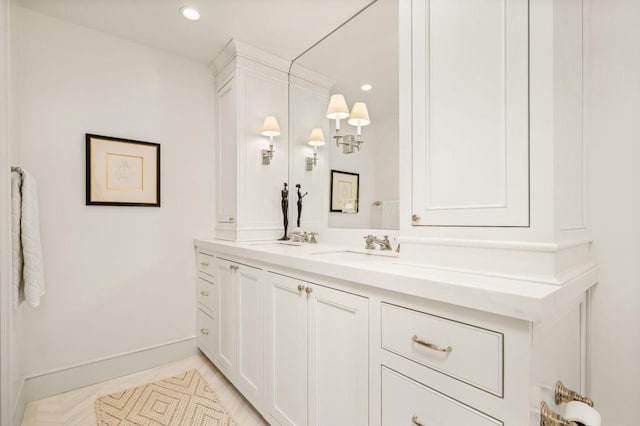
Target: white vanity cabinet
{"type": "Point", "coordinates": [206, 327]}
{"type": "Point", "coordinates": [317, 353]}
{"type": "Point", "coordinates": [470, 103]}
{"type": "Point", "coordinates": [240, 326]}
{"type": "Point", "coordinates": [448, 365]}
{"type": "Point", "coordinates": [313, 342]}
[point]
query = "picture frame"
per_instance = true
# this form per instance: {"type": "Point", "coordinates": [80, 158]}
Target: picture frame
{"type": "Point", "coordinates": [345, 191]}
{"type": "Point", "coordinates": [122, 172]}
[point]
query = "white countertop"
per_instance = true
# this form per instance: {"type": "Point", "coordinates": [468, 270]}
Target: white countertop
{"type": "Point", "coordinates": [514, 298]}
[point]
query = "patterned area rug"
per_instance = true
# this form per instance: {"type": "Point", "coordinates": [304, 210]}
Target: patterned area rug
{"type": "Point", "coordinates": [180, 400]}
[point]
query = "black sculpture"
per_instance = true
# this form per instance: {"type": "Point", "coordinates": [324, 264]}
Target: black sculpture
{"type": "Point", "coordinates": [285, 210]}
{"type": "Point", "coordinates": [300, 197]}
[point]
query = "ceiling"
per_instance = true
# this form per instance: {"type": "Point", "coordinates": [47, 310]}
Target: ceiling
{"type": "Point", "coordinates": [284, 28]}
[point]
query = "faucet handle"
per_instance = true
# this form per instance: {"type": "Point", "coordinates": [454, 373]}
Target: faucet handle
{"type": "Point", "coordinates": [369, 239]}
{"type": "Point", "coordinates": [312, 237]}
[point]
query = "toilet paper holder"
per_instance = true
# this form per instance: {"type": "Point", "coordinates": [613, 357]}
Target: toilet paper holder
{"type": "Point", "coordinates": [564, 394]}
{"type": "Point", "coordinates": [549, 417]}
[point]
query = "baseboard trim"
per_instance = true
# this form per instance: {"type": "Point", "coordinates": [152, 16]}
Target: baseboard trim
{"type": "Point", "coordinates": [18, 409]}
{"type": "Point", "coordinates": [63, 380]}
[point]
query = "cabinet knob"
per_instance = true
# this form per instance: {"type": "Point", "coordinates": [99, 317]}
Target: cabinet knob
{"type": "Point", "coordinates": [204, 293]}
{"type": "Point", "coordinates": [204, 331]}
{"type": "Point", "coordinates": [300, 288]}
{"type": "Point", "coordinates": [415, 218]}
{"type": "Point", "coordinates": [231, 219]}
{"type": "Point", "coordinates": [415, 421]}
{"type": "Point", "coordinates": [234, 267]}
{"type": "Point", "coordinates": [204, 264]}
{"type": "Point", "coordinates": [308, 290]}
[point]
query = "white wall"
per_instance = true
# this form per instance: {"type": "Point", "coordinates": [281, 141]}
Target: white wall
{"type": "Point", "coordinates": [613, 117]}
{"type": "Point", "coordinates": [6, 370]}
{"type": "Point", "coordinates": [17, 326]}
{"type": "Point", "coordinates": [118, 279]}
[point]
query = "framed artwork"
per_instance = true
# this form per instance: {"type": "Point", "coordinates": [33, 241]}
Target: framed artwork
{"type": "Point", "coordinates": [122, 172]}
{"type": "Point", "coordinates": [344, 191]}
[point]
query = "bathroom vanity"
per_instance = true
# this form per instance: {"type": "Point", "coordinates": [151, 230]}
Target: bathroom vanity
{"type": "Point", "coordinates": [322, 334]}
{"type": "Point", "coordinates": [486, 305]}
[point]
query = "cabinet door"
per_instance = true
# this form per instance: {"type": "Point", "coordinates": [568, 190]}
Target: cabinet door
{"type": "Point", "coordinates": [470, 113]}
{"type": "Point", "coordinates": [286, 350]}
{"type": "Point", "coordinates": [227, 154]}
{"type": "Point", "coordinates": [338, 358]}
{"type": "Point", "coordinates": [250, 323]}
{"type": "Point", "coordinates": [226, 351]}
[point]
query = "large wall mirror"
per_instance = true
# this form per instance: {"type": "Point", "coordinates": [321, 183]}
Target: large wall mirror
{"type": "Point", "coordinates": [350, 181]}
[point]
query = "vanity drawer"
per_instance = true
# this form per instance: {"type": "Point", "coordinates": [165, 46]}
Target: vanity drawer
{"type": "Point", "coordinates": [205, 263]}
{"type": "Point", "coordinates": [407, 402]}
{"type": "Point", "coordinates": [470, 354]}
{"type": "Point", "coordinates": [205, 296]}
{"type": "Point", "coordinates": [205, 331]}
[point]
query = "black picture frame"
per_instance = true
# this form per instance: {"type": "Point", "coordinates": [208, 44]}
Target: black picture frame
{"type": "Point", "coordinates": [340, 180]}
{"type": "Point", "coordinates": [140, 187]}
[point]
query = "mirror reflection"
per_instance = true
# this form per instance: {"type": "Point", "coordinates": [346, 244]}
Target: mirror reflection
{"type": "Point", "coordinates": [344, 123]}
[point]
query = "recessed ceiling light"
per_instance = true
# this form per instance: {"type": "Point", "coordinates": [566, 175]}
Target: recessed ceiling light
{"type": "Point", "coordinates": [366, 87]}
{"type": "Point", "coordinates": [190, 13]}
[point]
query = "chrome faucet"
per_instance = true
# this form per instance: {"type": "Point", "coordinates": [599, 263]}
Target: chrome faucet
{"type": "Point", "coordinates": [384, 244]}
{"type": "Point", "coordinates": [370, 240]}
{"type": "Point", "coordinates": [304, 237]}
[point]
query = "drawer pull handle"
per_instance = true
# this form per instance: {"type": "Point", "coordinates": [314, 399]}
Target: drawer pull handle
{"type": "Point", "coordinates": [431, 345]}
{"type": "Point", "coordinates": [204, 331]}
{"type": "Point", "coordinates": [204, 293]}
{"type": "Point", "coordinates": [234, 267]}
{"type": "Point", "coordinates": [300, 288]}
{"type": "Point", "coordinates": [308, 290]}
{"type": "Point", "coordinates": [231, 219]}
{"type": "Point", "coordinates": [204, 264]}
{"type": "Point", "coordinates": [415, 421]}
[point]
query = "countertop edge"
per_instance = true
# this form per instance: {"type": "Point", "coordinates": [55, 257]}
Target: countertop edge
{"type": "Point", "coordinates": [518, 299]}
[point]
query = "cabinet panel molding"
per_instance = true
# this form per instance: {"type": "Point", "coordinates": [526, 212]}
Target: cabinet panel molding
{"type": "Point", "coordinates": [470, 115]}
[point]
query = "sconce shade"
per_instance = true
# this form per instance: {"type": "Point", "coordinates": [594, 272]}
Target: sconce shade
{"type": "Point", "coordinates": [316, 138]}
{"type": "Point", "coordinates": [270, 126]}
{"type": "Point", "coordinates": [359, 115]}
{"type": "Point", "coordinates": [338, 108]}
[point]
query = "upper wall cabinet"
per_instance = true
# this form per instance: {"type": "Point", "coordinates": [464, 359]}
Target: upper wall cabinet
{"type": "Point", "coordinates": [470, 82]}
{"type": "Point", "coordinates": [491, 114]}
{"type": "Point", "coordinates": [250, 85]}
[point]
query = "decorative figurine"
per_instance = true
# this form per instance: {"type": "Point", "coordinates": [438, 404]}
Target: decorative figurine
{"type": "Point", "coordinates": [285, 211]}
{"type": "Point", "coordinates": [300, 197]}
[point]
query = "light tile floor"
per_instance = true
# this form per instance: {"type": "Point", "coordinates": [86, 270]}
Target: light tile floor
{"type": "Point", "coordinates": [77, 407]}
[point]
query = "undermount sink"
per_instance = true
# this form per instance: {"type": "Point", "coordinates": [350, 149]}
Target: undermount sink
{"type": "Point", "coordinates": [276, 243]}
{"type": "Point", "coordinates": [356, 255]}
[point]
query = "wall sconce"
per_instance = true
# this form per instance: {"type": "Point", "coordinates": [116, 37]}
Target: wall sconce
{"type": "Point", "coordinates": [316, 139]}
{"type": "Point", "coordinates": [269, 128]}
{"type": "Point", "coordinates": [358, 117]}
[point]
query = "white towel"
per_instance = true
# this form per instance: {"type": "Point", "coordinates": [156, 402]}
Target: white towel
{"type": "Point", "coordinates": [31, 278]}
